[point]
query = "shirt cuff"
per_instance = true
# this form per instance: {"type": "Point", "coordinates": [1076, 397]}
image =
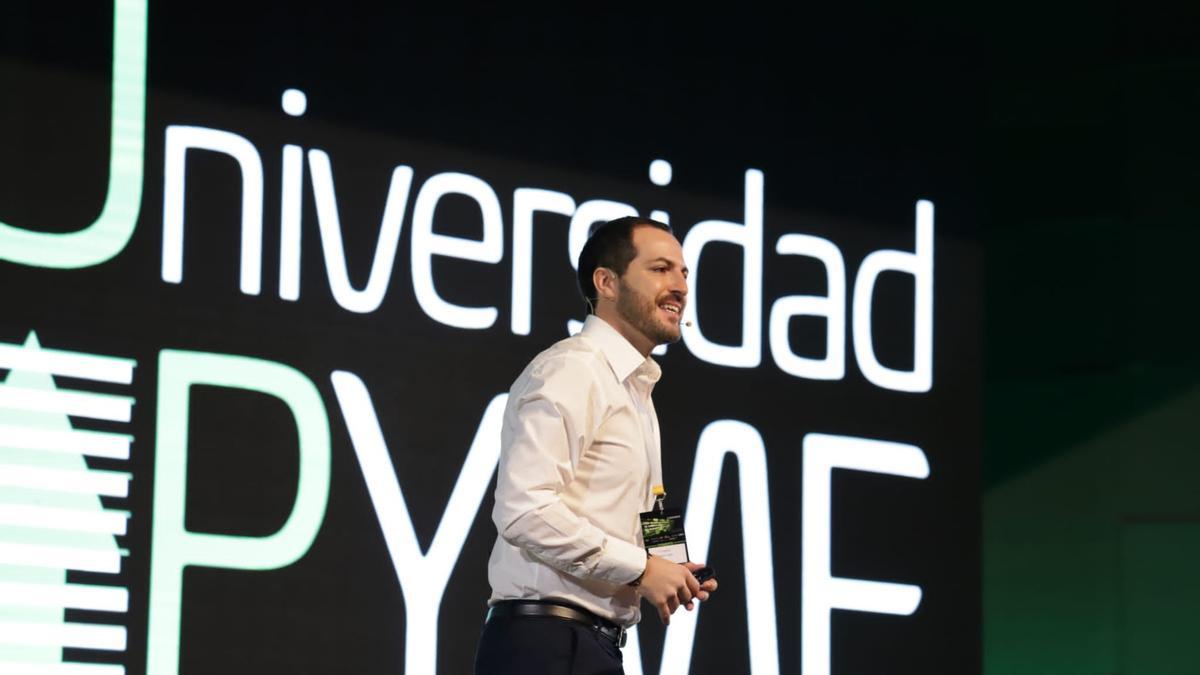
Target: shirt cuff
{"type": "Point", "coordinates": [623, 562]}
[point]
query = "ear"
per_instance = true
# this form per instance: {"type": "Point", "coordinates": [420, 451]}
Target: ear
{"type": "Point", "coordinates": [605, 281]}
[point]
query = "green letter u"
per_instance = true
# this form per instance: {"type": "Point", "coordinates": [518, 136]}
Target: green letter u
{"type": "Point", "coordinates": [108, 235]}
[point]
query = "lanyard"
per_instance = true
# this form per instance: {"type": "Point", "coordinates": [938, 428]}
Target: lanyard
{"type": "Point", "coordinates": [648, 424]}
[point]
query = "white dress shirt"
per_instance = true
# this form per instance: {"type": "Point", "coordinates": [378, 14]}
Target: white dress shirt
{"type": "Point", "coordinates": [579, 455]}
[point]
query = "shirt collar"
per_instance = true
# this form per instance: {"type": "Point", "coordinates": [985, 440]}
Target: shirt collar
{"type": "Point", "coordinates": [624, 358]}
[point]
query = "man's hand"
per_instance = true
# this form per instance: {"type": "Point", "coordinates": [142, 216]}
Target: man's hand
{"type": "Point", "coordinates": [705, 588]}
{"type": "Point", "coordinates": [668, 585]}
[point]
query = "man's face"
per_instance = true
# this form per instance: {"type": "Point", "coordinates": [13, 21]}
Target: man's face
{"type": "Point", "coordinates": [653, 289]}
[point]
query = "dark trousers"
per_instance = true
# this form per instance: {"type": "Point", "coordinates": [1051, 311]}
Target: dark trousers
{"type": "Point", "coordinates": [537, 645]}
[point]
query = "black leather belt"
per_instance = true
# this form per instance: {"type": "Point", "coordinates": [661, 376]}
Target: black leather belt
{"type": "Point", "coordinates": [515, 608]}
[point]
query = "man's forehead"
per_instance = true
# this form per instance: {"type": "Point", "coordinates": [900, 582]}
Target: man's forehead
{"type": "Point", "coordinates": [651, 242]}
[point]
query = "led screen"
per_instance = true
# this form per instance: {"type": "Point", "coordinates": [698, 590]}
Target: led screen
{"type": "Point", "coordinates": [254, 359]}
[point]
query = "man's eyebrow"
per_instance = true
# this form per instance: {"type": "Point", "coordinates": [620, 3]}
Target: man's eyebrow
{"type": "Point", "coordinates": [666, 260]}
{"type": "Point", "coordinates": [669, 261]}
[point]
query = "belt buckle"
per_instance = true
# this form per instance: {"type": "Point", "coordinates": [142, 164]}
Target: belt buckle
{"type": "Point", "coordinates": [618, 634]}
{"type": "Point", "coordinates": [619, 637]}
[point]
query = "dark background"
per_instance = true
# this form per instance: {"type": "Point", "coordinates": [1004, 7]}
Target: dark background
{"type": "Point", "coordinates": [1056, 143]}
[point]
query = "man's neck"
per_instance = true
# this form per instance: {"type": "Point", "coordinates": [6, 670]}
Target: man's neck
{"type": "Point", "coordinates": [635, 337]}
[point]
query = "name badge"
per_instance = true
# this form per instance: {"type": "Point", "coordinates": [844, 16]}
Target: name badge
{"type": "Point", "coordinates": [662, 534]}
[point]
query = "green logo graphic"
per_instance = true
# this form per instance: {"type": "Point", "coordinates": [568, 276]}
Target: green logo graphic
{"type": "Point", "coordinates": [108, 235]}
{"type": "Point", "coordinates": [52, 520]}
{"type": "Point", "coordinates": [652, 527]}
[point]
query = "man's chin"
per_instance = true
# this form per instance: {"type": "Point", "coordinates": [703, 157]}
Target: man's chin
{"type": "Point", "coordinates": [670, 335]}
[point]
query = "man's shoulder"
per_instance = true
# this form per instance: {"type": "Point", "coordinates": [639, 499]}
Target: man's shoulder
{"type": "Point", "coordinates": [571, 357]}
{"type": "Point", "coordinates": [576, 350]}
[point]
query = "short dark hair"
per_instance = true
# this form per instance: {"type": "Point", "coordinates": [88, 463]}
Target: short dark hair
{"type": "Point", "coordinates": [610, 244]}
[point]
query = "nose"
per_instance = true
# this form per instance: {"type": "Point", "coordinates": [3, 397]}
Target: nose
{"type": "Point", "coordinates": [679, 284]}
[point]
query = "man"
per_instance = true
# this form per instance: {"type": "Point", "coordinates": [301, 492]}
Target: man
{"type": "Point", "coordinates": [580, 456]}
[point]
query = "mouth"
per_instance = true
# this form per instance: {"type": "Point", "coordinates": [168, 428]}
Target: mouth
{"type": "Point", "coordinates": [673, 309]}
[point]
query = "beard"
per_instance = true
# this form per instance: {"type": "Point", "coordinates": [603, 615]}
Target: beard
{"type": "Point", "coordinates": [641, 312]}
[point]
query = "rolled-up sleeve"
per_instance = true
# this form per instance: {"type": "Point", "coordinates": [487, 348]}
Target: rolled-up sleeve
{"type": "Point", "coordinates": [552, 415]}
